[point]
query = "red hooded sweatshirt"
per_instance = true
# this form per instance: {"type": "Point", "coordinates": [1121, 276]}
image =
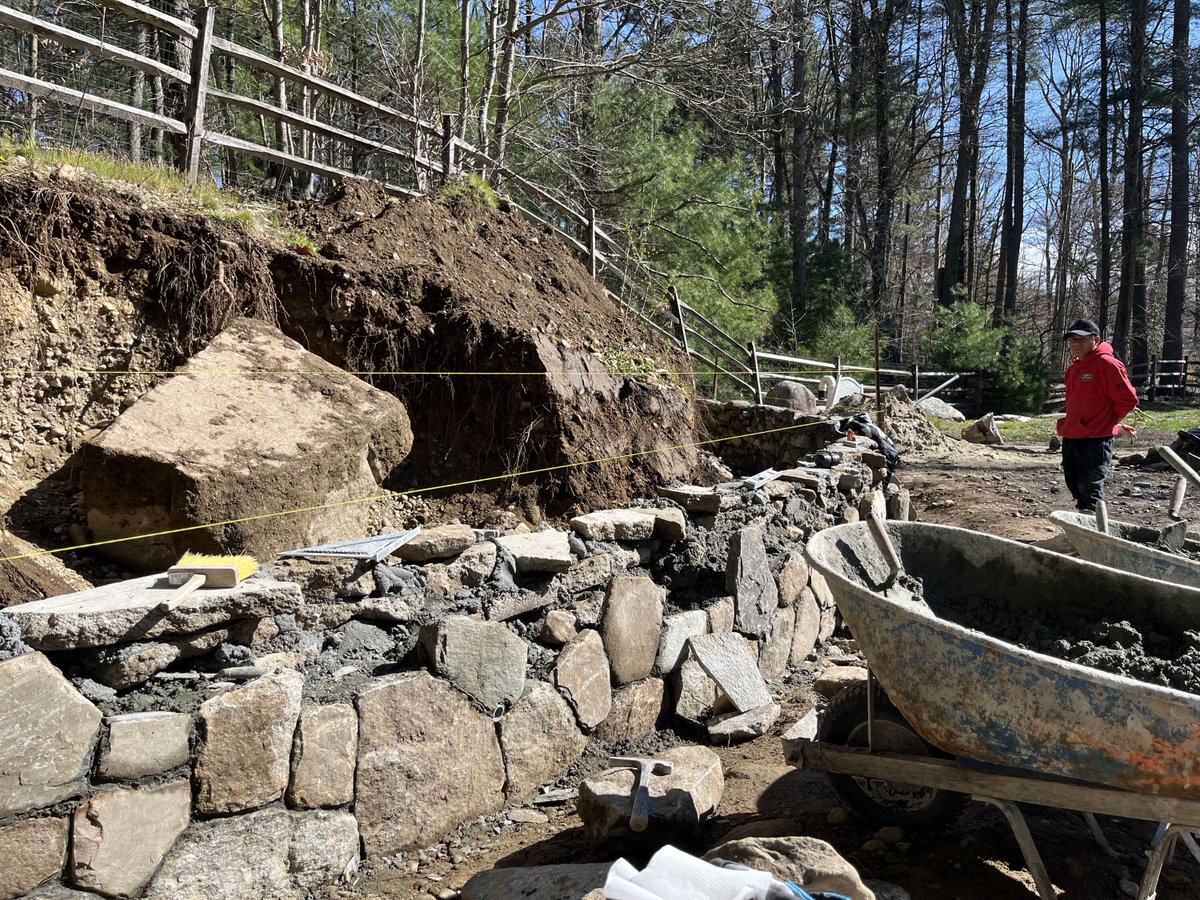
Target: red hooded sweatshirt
{"type": "Point", "coordinates": [1099, 395]}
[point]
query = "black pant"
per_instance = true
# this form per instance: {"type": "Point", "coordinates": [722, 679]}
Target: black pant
{"type": "Point", "coordinates": [1085, 466]}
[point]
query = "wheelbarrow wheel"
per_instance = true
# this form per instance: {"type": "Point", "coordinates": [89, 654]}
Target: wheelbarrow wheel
{"type": "Point", "coordinates": [910, 806]}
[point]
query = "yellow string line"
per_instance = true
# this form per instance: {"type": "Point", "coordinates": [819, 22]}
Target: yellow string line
{"type": "Point", "coordinates": [389, 494]}
{"type": "Point", "coordinates": [250, 373]}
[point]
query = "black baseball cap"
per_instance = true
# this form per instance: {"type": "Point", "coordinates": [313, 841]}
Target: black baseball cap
{"type": "Point", "coordinates": [1083, 328]}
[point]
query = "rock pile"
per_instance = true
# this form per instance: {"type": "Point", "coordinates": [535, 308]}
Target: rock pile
{"type": "Point", "coordinates": [307, 705]}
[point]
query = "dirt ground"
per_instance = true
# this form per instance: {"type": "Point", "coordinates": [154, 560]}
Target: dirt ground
{"type": "Point", "coordinates": [1005, 490]}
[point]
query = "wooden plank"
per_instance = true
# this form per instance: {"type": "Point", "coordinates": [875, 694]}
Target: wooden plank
{"type": "Point", "coordinates": [951, 776]}
{"type": "Point", "coordinates": [300, 121]}
{"type": "Point", "coordinates": [197, 96]}
{"type": "Point", "coordinates": [296, 162]}
{"type": "Point", "coordinates": [266, 64]}
{"type": "Point", "coordinates": [733, 360]}
{"type": "Point", "coordinates": [44, 89]}
{"type": "Point", "coordinates": [795, 360]}
{"type": "Point", "coordinates": [67, 38]}
{"type": "Point", "coordinates": [151, 16]}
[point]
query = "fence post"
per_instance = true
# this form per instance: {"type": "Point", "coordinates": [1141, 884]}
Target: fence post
{"type": "Point", "coordinates": [1153, 389]}
{"type": "Point", "coordinates": [916, 381]}
{"type": "Point", "coordinates": [449, 163]}
{"type": "Point", "coordinates": [1187, 361]}
{"type": "Point", "coordinates": [837, 373]}
{"type": "Point", "coordinates": [978, 394]}
{"type": "Point", "coordinates": [677, 308]}
{"type": "Point", "coordinates": [758, 395]}
{"type": "Point", "coordinates": [591, 238]}
{"type": "Point", "coordinates": [197, 92]}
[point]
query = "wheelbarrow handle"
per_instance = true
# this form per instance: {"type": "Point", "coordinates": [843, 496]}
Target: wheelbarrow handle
{"type": "Point", "coordinates": [879, 531]}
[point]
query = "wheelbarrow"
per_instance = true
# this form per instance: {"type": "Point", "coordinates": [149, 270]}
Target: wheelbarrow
{"type": "Point", "coordinates": [950, 712]}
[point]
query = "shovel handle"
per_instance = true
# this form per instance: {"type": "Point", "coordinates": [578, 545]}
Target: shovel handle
{"type": "Point", "coordinates": [880, 532]}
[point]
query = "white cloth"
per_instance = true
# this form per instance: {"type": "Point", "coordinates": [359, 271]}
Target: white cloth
{"type": "Point", "coordinates": [672, 874]}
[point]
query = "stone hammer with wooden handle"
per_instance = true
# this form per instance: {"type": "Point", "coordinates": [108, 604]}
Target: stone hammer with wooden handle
{"type": "Point", "coordinates": [639, 816]}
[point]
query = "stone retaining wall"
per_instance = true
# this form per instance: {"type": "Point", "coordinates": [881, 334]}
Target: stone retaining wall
{"type": "Point", "coordinates": [800, 435]}
{"type": "Point", "coordinates": [507, 656]}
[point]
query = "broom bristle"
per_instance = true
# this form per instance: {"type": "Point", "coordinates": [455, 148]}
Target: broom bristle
{"type": "Point", "coordinates": [246, 565]}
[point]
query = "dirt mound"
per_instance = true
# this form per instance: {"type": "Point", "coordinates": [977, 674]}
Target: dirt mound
{"type": "Point", "coordinates": [903, 421]}
{"type": "Point", "coordinates": [535, 368]}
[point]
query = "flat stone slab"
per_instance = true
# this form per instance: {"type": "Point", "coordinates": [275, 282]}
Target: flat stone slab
{"type": "Point", "coordinates": [539, 551]}
{"type": "Point", "coordinates": [245, 757]}
{"type": "Point", "coordinates": [34, 851]}
{"type": "Point", "coordinates": [635, 711]}
{"type": "Point", "coordinates": [808, 627]}
{"type": "Point", "coordinates": [734, 729]}
{"type": "Point", "coordinates": [125, 665]}
{"type": "Point", "coordinates": [273, 853]}
{"type": "Point", "coordinates": [120, 836]}
{"type": "Point", "coordinates": [693, 499]}
{"type": "Point", "coordinates": [141, 744]}
{"type": "Point", "coordinates": [678, 801]}
{"type": "Point", "coordinates": [728, 661]}
{"type": "Point", "coordinates": [748, 578]}
{"type": "Point", "coordinates": [583, 881]}
{"type": "Point", "coordinates": [195, 450]}
{"type": "Point", "coordinates": [539, 738]}
{"type": "Point", "coordinates": [776, 648]}
{"type": "Point", "coordinates": [47, 736]}
{"type": "Point", "coordinates": [439, 542]}
{"type": "Point", "coordinates": [127, 611]}
{"type": "Point", "coordinates": [615, 525]}
{"type": "Point", "coordinates": [631, 625]}
{"type": "Point", "coordinates": [835, 679]}
{"type": "Point", "coordinates": [676, 629]}
{"type": "Point", "coordinates": [694, 692]}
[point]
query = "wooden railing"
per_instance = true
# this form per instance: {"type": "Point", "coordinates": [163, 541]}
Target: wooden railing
{"type": "Point", "coordinates": [628, 281]}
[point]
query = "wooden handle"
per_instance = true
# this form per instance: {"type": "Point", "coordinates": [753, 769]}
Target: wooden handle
{"type": "Point", "coordinates": [1180, 492]}
{"type": "Point", "coordinates": [181, 593]}
{"type": "Point", "coordinates": [639, 818]}
{"type": "Point", "coordinates": [880, 532]}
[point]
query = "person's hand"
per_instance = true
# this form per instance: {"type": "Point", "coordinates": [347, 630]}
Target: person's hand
{"type": "Point", "coordinates": [1127, 429]}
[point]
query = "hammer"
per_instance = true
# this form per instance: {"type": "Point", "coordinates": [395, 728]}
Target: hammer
{"type": "Point", "coordinates": [639, 816]}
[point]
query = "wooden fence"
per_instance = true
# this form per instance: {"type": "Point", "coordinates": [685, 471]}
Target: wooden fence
{"type": "Point", "coordinates": [630, 283]}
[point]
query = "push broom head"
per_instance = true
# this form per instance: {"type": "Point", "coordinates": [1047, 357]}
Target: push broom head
{"type": "Point", "coordinates": [218, 571]}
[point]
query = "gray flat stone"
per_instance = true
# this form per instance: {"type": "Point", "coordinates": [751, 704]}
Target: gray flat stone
{"type": "Point", "coordinates": [127, 611]}
{"type": "Point", "coordinates": [47, 738]}
{"type": "Point", "coordinates": [693, 499]}
{"type": "Point", "coordinates": [808, 627]}
{"type": "Point", "coordinates": [738, 727]}
{"type": "Point", "coordinates": [728, 661]}
{"type": "Point", "coordinates": [678, 802]}
{"type": "Point", "coordinates": [776, 648]}
{"type": "Point", "coordinates": [748, 578]}
{"type": "Point", "coordinates": [582, 676]}
{"type": "Point", "coordinates": [469, 569]}
{"type": "Point", "coordinates": [425, 750]}
{"type": "Point", "coordinates": [559, 628]}
{"type": "Point", "coordinates": [539, 738]}
{"type": "Point", "coordinates": [120, 836]}
{"type": "Point", "coordinates": [245, 756]}
{"type": "Point", "coordinates": [539, 551]}
{"type": "Point", "coordinates": [34, 851]}
{"type": "Point", "coordinates": [323, 759]}
{"type": "Point", "coordinates": [631, 626]}
{"type": "Point", "coordinates": [439, 542]}
{"type": "Point", "coordinates": [676, 629]}
{"type": "Point", "coordinates": [274, 853]}
{"type": "Point", "coordinates": [694, 692]}
{"type": "Point", "coordinates": [615, 525]}
{"type": "Point", "coordinates": [635, 711]}
{"type": "Point", "coordinates": [583, 881]}
{"type": "Point", "coordinates": [141, 744]}
{"type": "Point", "coordinates": [811, 863]}
{"type": "Point", "coordinates": [586, 575]}
{"type": "Point", "coordinates": [484, 660]}
{"type": "Point", "coordinates": [125, 665]}
{"type": "Point", "coordinates": [801, 732]}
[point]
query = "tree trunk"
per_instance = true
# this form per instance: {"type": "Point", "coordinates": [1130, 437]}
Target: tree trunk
{"type": "Point", "coordinates": [418, 92]}
{"type": "Point", "coordinates": [1172, 347]}
{"type": "Point", "coordinates": [799, 207]}
{"type": "Point", "coordinates": [504, 101]}
{"type": "Point", "coordinates": [489, 75]}
{"type": "Point", "coordinates": [464, 68]}
{"type": "Point", "coordinates": [1105, 281]}
{"type": "Point", "coordinates": [1129, 334]}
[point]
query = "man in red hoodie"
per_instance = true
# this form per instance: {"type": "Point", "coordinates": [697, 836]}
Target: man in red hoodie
{"type": "Point", "coordinates": [1099, 396]}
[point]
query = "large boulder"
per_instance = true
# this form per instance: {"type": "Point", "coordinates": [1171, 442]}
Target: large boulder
{"type": "Point", "coordinates": [540, 739]}
{"type": "Point", "coordinates": [323, 761]}
{"type": "Point", "coordinates": [147, 743]}
{"type": "Point", "coordinates": [211, 448]}
{"type": "Point", "coordinates": [631, 626]}
{"type": "Point", "coordinates": [484, 660]}
{"type": "Point", "coordinates": [792, 395]}
{"type": "Point", "coordinates": [47, 738]}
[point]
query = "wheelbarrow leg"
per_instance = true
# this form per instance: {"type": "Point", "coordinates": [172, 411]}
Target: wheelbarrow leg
{"type": "Point", "coordinates": [1029, 850]}
{"type": "Point", "coordinates": [1094, 828]}
{"type": "Point", "coordinates": [1164, 843]}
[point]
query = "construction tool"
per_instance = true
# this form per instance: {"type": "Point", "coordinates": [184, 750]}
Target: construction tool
{"type": "Point", "coordinates": [1102, 517]}
{"type": "Point", "coordinates": [879, 531]}
{"type": "Point", "coordinates": [197, 570]}
{"type": "Point", "coordinates": [639, 816]}
{"type": "Point", "coordinates": [1176, 509]}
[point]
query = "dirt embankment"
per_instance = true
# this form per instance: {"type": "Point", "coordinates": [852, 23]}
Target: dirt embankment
{"type": "Point", "coordinates": [519, 356]}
